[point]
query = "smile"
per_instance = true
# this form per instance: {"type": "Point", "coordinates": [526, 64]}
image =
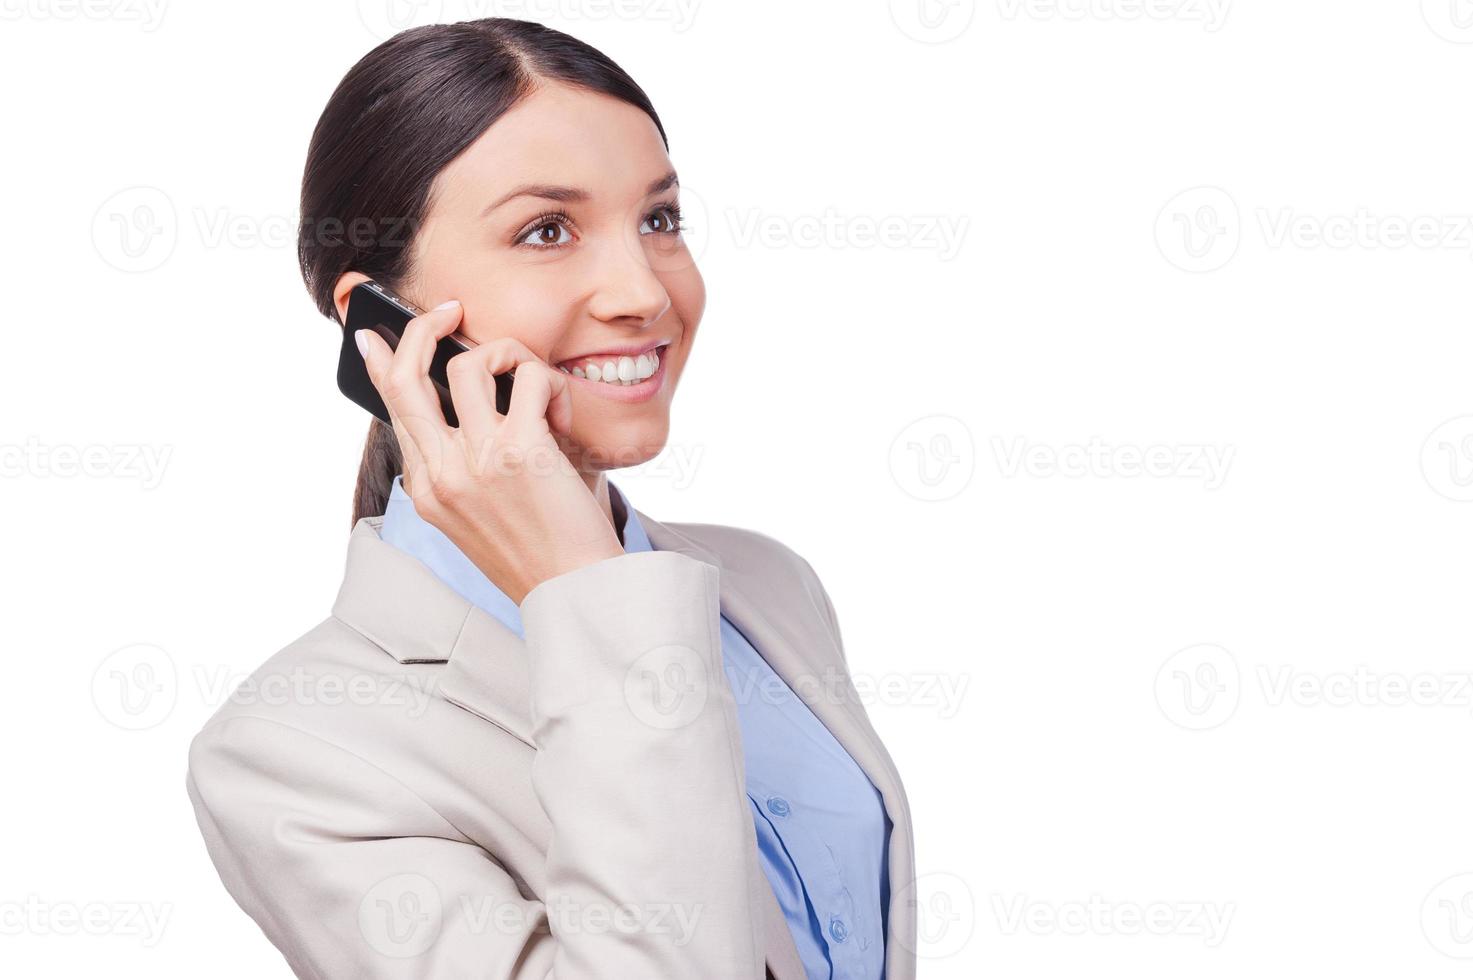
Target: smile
{"type": "Point", "coordinates": [623, 377]}
{"type": "Point", "coordinates": [615, 369]}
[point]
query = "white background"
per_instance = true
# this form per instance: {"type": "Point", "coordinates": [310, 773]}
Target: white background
{"type": "Point", "coordinates": [1230, 239]}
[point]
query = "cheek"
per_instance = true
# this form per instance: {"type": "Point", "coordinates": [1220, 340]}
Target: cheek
{"type": "Point", "coordinates": [520, 310]}
{"type": "Point", "coordinates": [687, 291]}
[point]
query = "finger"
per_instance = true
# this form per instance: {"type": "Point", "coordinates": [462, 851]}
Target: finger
{"type": "Point", "coordinates": [418, 440]}
{"type": "Point", "coordinates": [409, 371]}
{"type": "Point", "coordinates": [540, 400]}
{"type": "Point", "coordinates": [471, 394]}
{"type": "Point", "coordinates": [489, 359]}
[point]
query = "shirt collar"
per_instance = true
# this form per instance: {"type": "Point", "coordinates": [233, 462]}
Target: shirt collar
{"type": "Point", "coordinates": [410, 533]}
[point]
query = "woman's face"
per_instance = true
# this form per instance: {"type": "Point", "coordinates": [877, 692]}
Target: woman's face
{"type": "Point", "coordinates": [556, 227]}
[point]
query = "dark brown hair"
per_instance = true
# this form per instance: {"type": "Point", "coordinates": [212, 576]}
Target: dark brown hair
{"type": "Point", "coordinates": [398, 117]}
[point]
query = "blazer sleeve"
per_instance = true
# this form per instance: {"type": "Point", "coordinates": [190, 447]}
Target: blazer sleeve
{"type": "Point", "coordinates": [651, 864]}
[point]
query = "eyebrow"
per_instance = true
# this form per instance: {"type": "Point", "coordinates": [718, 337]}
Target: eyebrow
{"type": "Point", "coordinates": [554, 192]}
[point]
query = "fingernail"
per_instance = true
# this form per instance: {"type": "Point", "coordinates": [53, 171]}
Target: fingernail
{"type": "Point", "coordinates": [361, 341]}
{"type": "Point", "coordinates": [447, 304]}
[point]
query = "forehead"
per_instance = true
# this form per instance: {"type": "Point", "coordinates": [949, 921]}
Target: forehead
{"type": "Point", "coordinates": [559, 135]}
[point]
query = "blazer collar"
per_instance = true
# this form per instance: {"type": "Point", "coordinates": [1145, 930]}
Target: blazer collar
{"type": "Point", "coordinates": [396, 602]}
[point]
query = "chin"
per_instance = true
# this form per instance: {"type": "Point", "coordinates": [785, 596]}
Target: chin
{"type": "Point", "coordinates": [610, 445]}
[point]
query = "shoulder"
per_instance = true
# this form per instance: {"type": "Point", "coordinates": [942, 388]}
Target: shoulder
{"type": "Point", "coordinates": [328, 693]}
{"type": "Point", "coordinates": [747, 550]}
{"type": "Point", "coordinates": [763, 566]}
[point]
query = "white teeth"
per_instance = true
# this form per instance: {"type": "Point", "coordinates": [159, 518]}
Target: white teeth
{"type": "Point", "coordinates": [623, 370]}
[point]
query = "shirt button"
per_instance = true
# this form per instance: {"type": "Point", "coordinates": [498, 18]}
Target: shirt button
{"type": "Point", "coordinates": [778, 806]}
{"type": "Point", "coordinates": [838, 929]}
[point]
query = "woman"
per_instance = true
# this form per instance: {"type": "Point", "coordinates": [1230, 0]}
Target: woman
{"type": "Point", "coordinates": [542, 734]}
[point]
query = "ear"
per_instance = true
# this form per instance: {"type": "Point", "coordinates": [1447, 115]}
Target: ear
{"type": "Point", "coordinates": [340, 292]}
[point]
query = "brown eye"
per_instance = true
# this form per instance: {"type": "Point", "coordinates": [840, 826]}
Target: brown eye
{"type": "Point", "coordinates": [666, 218]}
{"type": "Point", "coordinates": [546, 233]}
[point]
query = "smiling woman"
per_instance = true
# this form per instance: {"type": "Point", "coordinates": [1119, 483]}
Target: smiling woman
{"type": "Point", "coordinates": [581, 792]}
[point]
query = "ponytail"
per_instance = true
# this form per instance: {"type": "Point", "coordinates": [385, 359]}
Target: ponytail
{"type": "Point", "coordinates": [382, 461]}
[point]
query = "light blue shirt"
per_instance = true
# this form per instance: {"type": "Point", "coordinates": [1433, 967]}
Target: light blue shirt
{"type": "Point", "coordinates": [822, 830]}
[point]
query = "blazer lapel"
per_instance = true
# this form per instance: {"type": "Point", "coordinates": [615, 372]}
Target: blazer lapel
{"type": "Point", "coordinates": [395, 601]}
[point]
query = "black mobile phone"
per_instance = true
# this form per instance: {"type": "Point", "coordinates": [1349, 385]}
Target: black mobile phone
{"type": "Point", "coordinates": [372, 307]}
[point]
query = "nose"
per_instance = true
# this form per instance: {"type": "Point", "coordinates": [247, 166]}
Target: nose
{"type": "Point", "coordinates": [626, 287]}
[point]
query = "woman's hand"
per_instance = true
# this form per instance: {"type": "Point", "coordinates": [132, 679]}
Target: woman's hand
{"type": "Point", "coordinates": [498, 486]}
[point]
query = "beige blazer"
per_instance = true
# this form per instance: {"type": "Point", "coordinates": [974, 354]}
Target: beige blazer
{"type": "Point", "coordinates": [411, 790]}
